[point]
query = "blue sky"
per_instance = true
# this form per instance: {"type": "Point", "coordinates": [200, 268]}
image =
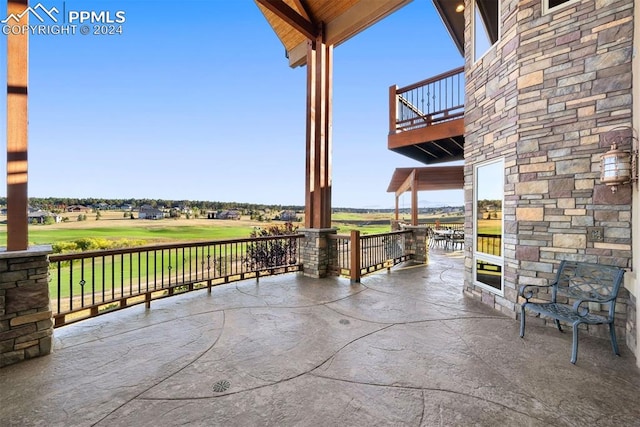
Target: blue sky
{"type": "Point", "coordinates": [199, 103]}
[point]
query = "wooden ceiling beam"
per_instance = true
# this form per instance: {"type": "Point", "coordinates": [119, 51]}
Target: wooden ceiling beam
{"type": "Point", "coordinates": [360, 16]}
{"type": "Point", "coordinates": [303, 10]}
{"type": "Point", "coordinates": [407, 184]}
{"type": "Point", "coordinates": [290, 16]}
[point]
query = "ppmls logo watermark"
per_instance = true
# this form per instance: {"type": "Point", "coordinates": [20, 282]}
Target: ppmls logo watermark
{"type": "Point", "coordinates": [53, 21]}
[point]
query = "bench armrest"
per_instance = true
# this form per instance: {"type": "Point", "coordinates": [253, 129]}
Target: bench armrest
{"type": "Point", "coordinates": [527, 291]}
{"type": "Point", "coordinates": [583, 310]}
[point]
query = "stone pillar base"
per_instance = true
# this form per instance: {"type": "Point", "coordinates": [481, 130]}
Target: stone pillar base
{"type": "Point", "coordinates": [26, 324]}
{"type": "Point", "coordinates": [315, 251]}
{"type": "Point", "coordinates": [419, 243]}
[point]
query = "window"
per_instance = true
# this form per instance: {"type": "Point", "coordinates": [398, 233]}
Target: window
{"type": "Point", "coordinates": [488, 226]}
{"type": "Point", "coordinates": [551, 5]}
{"type": "Point", "coordinates": [486, 26]}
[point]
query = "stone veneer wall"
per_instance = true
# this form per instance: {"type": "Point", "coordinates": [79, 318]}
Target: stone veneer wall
{"type": "Point", "coordinates": [26, 325]}
{"type": "Point", "coordinates": [542, 98]}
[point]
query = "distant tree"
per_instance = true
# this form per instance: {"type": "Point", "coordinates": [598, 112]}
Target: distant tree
{"type": "Point", "coordinates": [48, 220]}
{"type": "Point", "coordinates": [98, 215]}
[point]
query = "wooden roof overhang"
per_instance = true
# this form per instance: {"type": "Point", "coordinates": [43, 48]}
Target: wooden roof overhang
{"type": "Point", "coordinates": [424, 179]}
{"type": "Point", "coordinates": [427, 179]}
{"type": "Point", "coordinates": [296, 21]}
{"type": "Point", "coordinates": [454, 20]}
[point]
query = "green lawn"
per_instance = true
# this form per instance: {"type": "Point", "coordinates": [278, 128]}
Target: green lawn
{"type": "Point", "coordinates": [41, 235]}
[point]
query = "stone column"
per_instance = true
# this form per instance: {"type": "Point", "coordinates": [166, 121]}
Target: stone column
{"type": "Point", "coordinates": [315, 251]}
{"type": "Point", "coordinates": [26, 324]}
{"type": "Point", "coordinates": [419, 243]}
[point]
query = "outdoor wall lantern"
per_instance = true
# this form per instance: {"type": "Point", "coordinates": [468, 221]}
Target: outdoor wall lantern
{"type": "Point", "coordinates": [619, 167]}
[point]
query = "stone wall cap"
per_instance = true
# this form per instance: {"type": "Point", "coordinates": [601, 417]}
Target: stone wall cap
{"type": "Point", "coordinates": [319, 230]}
{"type": "Point", "coordinates": [31, 251]}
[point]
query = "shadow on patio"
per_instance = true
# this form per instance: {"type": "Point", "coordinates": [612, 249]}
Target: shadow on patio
{"type": "Point", "coordinates": [404, 348]}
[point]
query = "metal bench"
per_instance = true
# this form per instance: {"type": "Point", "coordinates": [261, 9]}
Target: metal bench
{"type": "Point", "coordinates": [577, 286]}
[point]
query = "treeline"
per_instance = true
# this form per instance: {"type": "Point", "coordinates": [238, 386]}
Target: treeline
{"type": "Point", "coordinates": [55, 203]}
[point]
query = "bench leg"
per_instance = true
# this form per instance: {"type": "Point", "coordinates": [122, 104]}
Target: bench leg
{"type": "Point", "coordinates": [522, 321]}
{"type": "Point", "coordinates": [574, 346]}
{"type": "Point", "coordinates": [614, 342]}
{"type": "Point", "coordinates": [557, 322]}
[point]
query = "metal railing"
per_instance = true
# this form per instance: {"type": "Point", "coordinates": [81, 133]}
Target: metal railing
{"type": "Point", "coordinates": [431, 101]}
{"type": "Point", "coordinates": [91, 283]}
{"type": "Point", "coordinates": [368, 253]}
{"type": "Point", "coordinates": [489, 244]}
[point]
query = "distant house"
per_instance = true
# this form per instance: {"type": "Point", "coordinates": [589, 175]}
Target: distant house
{"type": "Point", "coordinates": [126, 207]}
{"type": "Point", "coordinates": [149, 212]}
{"type": "Point", "coordinates": [226, 214]}
{"type": "Point", "coordinates": [40, 217]}
{"type": "Point", "coordinates": [289, 216]}
{"type": "Point", "coordinates": [78, 208]}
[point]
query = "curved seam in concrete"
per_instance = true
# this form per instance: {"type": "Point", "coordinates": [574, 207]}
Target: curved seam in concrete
{"type": "Point", "coordinates": [166, 377]}
{"type": "Point", "coordinates": [424, 389]}
{"type": "Point", "coordinates": [414, 299]}
{"type": "Point", "coordinates": [317, 304]}
{"type": "Point", "coordinates": [498, 373]}
{"type": "Point", "coordinates": [309, 371]}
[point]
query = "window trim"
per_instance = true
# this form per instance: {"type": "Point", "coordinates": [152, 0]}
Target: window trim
{"type": "Point", "coordinates": [546, 9]}
{"type": "Point", "coordinates": [473, 31]}
{"type": "Point", "coordinates": [494, 259]}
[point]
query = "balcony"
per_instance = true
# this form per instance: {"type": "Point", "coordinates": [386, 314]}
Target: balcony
{"type": "Point", "coordinates": [426, 119]}
{"type": "Point", "coordinates": [399, 348]}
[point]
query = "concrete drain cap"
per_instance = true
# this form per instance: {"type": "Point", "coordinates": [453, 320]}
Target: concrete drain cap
{"type": "Point", "coordinates": [344, 322]}
{"type": "Point", "coordinates": [221, 386]}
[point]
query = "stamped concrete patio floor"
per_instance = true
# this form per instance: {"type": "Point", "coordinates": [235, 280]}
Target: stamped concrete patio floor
{"type": "Point", "coordinates": [404, 348]}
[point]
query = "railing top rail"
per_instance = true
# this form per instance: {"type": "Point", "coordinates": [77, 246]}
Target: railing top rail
{"type": "Point", "coordinates": [371, 236]}
{"type": "Point", "coordinates": [367, 236]}
{"type": "Point", "coordinates": [425, 82]}
{"type": "Point", "coordinates": [109, 252]}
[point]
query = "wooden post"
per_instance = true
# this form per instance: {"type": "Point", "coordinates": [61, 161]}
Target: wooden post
{"type": "Point", "coordinates": [397, 209]}
{"type": "Point", "coordinates": [393, 109]}
{"type": "Point", "coordinates": [414, 199]}
{"type": "Point", "coordinates": [354, 262]}
{"type": "Point", "coordinates": [318, 146]}
{"type": "Point", "coordinates": [17, 124]}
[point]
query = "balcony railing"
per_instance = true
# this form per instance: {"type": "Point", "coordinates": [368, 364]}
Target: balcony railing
{"type": "Point", "coordinates": [91, 283]}
{"type": "Point", "coordinates": [356, 255]}
{"type": "Point", "coordinates": [431, 101]}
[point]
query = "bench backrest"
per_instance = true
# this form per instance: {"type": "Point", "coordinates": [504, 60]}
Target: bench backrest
{"type": "Point", "coordinates": [584, 280]}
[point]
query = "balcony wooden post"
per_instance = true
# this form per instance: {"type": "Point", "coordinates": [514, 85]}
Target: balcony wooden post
{"type": "Point", "coordinates": [414, 198]}
{"type": "Point", "coordinates": [397, 207]}
{"type": "Point", "coordinates": [355, 260]}
{"type": "Point", "coordinates": [318, 145]}
{"type": "Point", "coordinates": [393, 109]}
{"type": "Point", "coordinates": [17, 124]}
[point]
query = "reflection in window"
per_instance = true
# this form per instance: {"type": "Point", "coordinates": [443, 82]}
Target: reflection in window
{"type": "Point", "coordinates": [489, 193]}
{"type": "Point", "coordinates": [489, 274]}
{"type": "Point", "coordinates": [485, 26]}
{"type": "Point", "coordinates": [488, 224]}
